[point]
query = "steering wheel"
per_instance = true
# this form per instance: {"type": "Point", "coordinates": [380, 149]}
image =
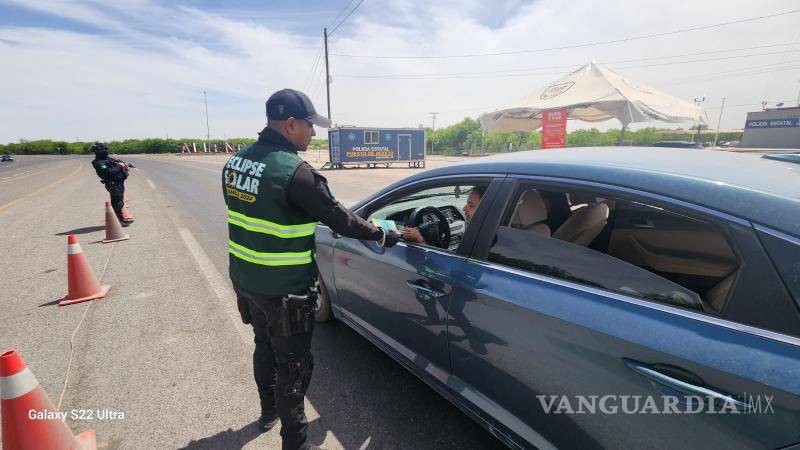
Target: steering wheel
{"type": "Point", "coordinates": [458, 214]}
{"type": "Point", "coordinates": [438, 231]}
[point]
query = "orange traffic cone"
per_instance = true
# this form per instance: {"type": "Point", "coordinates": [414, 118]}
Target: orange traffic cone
{"type": "Point", "coordinates": [126, 215]}
{"type": "Point", "coordinates": [81, 282]}
{"type": "Point", "coordinates": [114, 231]}
{"type": "Point", "coordinates": [29, 417]}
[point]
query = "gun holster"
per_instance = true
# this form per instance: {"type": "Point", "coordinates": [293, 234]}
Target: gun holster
{"type": "Point", "coordinates": [295, 315]}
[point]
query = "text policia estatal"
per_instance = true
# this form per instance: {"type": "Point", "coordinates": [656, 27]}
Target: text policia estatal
{"type": "Point", "coordinates": [242, 177]}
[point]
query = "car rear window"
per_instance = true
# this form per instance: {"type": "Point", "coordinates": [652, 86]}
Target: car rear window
{"type": "Point", "coordinates": [785, 253]}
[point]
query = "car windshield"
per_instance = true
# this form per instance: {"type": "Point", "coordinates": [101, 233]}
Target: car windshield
{"type": "Point", "coordinates": [455, 191]}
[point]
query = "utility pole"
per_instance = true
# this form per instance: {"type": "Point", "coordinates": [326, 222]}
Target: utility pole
{"type": "Point", "coordinates": [798, 95]}
{"type": "Point", "coordinates": [697, 101]}
{"type": "Point", "coordinates": [327, 73]}
{"type": "Point", "coordinates": [719, 120]}
{"type": "Point", "coordinates": [433, 127]}
{"type": "Point", "coordinates": [208, 129]}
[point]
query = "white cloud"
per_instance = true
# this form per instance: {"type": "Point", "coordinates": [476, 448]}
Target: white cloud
{"type": "Point", "coordinates": [144, 72]}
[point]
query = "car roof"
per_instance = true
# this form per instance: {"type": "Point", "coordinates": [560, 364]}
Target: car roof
{"type": "Point", "coordinates": [756, 189]}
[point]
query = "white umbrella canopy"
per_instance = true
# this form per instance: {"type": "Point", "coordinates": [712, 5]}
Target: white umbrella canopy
{"type": "Point", "coordinates": [594, 93]}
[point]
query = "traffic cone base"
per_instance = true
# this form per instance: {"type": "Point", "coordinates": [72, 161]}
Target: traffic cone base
{"type": "Point", "coordinates": [123, 238]}
{"type": "Point", "coordinates": [99, 294]}
{"type": "Point", "coordinates": [125, 214]}
{"type": "Point", "coordinates": [87, 440]}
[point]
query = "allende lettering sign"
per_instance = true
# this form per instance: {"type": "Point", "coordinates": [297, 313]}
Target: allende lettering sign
{"type": "Point", "coordinates": [786, 122]}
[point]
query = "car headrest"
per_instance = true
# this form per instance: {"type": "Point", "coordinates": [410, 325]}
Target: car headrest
{"type": "Point", "coordinates": [579, 198]}
{"type": "Point", "coordinates": [530, 210]}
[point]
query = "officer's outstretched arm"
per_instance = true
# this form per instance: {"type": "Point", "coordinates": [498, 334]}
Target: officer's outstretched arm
{"type": "Point", "coordinates": [308, 191]}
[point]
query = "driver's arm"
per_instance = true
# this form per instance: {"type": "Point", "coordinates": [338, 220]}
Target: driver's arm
{"type": "Point", "coordinates": [412, 234]}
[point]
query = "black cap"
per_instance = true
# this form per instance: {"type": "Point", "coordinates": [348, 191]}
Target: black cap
{"type": "Point", "coordinates": [290, 103]}
{"type": "Point", "coordinates": [99, 147]}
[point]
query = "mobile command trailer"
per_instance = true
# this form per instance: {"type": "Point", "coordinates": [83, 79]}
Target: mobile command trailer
{"type": "Point", "coordinates": [373, 147]}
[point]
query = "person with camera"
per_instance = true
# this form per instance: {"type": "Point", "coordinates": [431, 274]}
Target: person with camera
{"type": "Point", "coordinates": [112, 173]}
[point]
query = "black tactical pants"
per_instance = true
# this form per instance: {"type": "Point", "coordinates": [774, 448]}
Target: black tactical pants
{"type": "Point", "coordinates": [282, 367]}
{"type": "Point", "coordinates": [117, 191]}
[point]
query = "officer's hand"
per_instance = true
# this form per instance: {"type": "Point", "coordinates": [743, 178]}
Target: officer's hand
{"type": "Point", "coordinates": [391, 239]}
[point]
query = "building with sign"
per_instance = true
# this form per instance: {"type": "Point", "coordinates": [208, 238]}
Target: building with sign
{"type": "Point", "coordinates": [374, 147]}
{"type": "Point", "coordinates": [772, 128]}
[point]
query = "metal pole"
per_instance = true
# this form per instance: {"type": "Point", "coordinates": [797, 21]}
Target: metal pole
{"type": "Point", "coordinates": [719, 120]}
{"type": "Point", "coordinates": [327, 73]}
{"type": "Point", "coordinates": [798, 95]}
{"type": "Point", "coordinates": [696, 137]}
{"type": "Point", "coordinates": [208, 128]}
{"type": "Point", "coordinates": [433, 128]}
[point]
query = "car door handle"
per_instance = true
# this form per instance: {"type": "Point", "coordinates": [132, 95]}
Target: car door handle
{"type": "Point", "coordinates": [684, 387]}
{"type": "Point", "coordinates": [643, 224]}
{"type": "Point", "coordinates": [424, 290]}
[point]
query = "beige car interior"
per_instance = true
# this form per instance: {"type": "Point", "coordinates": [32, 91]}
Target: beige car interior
{"type": "Point", "coordinates": [586, 221]}
{"type": "Point", "coordinates": [529, 213]}
{"type": "Point", "coordinates": [589, 217]}
{"type": "Point", "coordinates": [695, 250]}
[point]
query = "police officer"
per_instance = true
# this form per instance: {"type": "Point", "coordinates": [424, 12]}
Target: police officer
{"type": "Point", "coordinates": [112, 173]}
{"type": "Point", "coordinates": [274, 201]}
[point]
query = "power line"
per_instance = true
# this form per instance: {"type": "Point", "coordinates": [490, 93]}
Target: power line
{"type": "Point", "coordinates": [733, 73]}
{"type": "Point", "coordinates": [345, 18]}
{"type": "Point", "coordinates": [313, 71]}
{"type": "Point", "coordinates": [711, 59]}
{"type": "Point", "coordinates": [346, 7]}
{"type": "Point", "coordinates": [523, 72]}
{"type": "Point", "coordinates": [317, 82]}
{"type": "Point", "coordinates": [565, 47]}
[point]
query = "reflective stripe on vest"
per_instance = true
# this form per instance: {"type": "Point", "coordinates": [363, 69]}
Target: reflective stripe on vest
{"type": "Point", "coordinates": [266, 227]}
{"type": "Point", "coordinates": [269, 259]}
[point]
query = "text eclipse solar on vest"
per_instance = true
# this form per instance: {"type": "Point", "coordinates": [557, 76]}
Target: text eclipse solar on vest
{"type": "Point", "coordinates": [242, 177]}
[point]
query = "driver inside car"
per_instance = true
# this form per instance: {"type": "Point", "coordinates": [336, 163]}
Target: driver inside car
{"type": "Point", "coordinates": [412, 234]}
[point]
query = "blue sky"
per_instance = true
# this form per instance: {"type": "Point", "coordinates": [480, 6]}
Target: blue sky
{"type": "Point", "coordinates": [128, 69]}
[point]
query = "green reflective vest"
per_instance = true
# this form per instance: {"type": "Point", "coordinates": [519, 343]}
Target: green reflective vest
{"type": "Point", "coordinates": [271, 245]}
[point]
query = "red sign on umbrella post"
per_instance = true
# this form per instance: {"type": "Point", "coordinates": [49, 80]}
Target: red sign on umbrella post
{"type": "Point", "coordinates": [554, 128]}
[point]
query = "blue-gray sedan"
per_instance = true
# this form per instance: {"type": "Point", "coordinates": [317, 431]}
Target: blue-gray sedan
{"type": "Point", "coordinates": [603, 297]}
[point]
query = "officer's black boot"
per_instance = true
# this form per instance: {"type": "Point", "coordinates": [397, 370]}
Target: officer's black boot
{"type": "Point", "coordinates": [264, 373]}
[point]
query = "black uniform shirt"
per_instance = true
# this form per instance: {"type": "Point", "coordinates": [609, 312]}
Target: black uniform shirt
{"type": "Point", "coordinates": [308, 191]}
{"type": "Point", "coordinates": [109, 170]}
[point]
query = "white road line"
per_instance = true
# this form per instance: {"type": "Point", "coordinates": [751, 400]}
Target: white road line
{"type": "Point", "coordinates": [225, 294]}
{"type": "Point", "coordinates": [191, 166]}
{"type": "Point", "coordinates": [227, 298]}
{"type": "Point", "coordinates": [152, 185]}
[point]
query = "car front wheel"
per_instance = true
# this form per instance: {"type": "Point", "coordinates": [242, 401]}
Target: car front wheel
{"type": "Point", "coordinates": [323, 312]}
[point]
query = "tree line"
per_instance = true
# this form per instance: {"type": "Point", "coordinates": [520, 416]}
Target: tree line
{"type": "Point", "coordinates": [466, 137]}
{"type": "Point", "coordinates": [128, 146]}
{"type": "Point", "coordinates": [463, 137]}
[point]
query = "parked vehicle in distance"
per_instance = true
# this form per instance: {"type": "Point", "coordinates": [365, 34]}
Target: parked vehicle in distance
{"type": "Point", "coordinates": [677, 144]}
{"type": "Point", "coordinates": [590, 273]}
{"type": "Point", "coordinates": [6, 157]}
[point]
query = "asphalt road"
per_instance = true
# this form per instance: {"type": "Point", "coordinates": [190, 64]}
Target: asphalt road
{"type": "Point", "coordinates": [164, 347]}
